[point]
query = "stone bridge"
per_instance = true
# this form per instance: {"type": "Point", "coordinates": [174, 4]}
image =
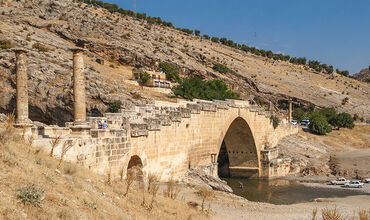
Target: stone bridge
{"type": "Point", "coordinates": [231, 137]}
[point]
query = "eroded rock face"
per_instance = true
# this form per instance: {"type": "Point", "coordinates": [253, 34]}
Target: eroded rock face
{"type": "Point", "coordinates": [200, 178]}
{"type": "Point", "coordinates": [58, 25]}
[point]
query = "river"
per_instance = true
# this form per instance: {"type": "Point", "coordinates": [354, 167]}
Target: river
{"type": "Point", "coordinates": [280, 191]}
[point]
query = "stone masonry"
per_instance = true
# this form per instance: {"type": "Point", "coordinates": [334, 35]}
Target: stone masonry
{"type": "Point", "coordinates": [22, 87]}
{"type": "Point", "coordinates": [170, 138]}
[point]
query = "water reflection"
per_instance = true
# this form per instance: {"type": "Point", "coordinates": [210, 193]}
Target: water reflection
{"type": "Point", "coordinates": [283, 191]}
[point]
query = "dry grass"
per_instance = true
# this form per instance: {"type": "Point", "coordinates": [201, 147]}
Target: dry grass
{"type": "Point", "coordinates": [81, 194]}
{"type": "Point", "coordinates": [54, 143]}
{"type": "Point", "coordinates": [173, 189]}
{"type": "Point", "coordinates": [334, 214]}
{"type": "Point", "coordinates": [205, 195]}
{"type": "Point", "coordinates": [66, 146]}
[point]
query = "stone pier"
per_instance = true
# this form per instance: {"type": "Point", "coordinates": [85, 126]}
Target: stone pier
{"type": "Point", "coordinates": [22, 88]}
{"type": "Point", "coordinates": [290, 117]}
{"type": "Point", "coordinates": [80, 125]}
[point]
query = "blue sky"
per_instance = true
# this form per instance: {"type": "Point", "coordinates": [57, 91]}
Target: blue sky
{"type": "Point", "coordinates": [335, 32]}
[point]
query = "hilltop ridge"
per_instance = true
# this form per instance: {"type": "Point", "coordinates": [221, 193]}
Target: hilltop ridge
{"type": "Point", "coordinates": [123, 42]}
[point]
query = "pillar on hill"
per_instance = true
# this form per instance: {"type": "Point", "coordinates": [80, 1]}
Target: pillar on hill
{"type": "Point", "coordinates": [22, 87]}
{"type": "Point", "coordinates": [80, 125]}
{"type": "Point", "coordinates": [290, 117]}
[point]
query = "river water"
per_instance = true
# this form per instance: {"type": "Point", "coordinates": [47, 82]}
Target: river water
{"type": "Point", "coordinates": [283, 191]}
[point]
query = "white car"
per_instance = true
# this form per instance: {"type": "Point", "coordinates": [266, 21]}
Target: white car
{"type": "Point", "coordinates": [294, 122]}
{"type": "Point", "coordinates": [305, 122]}
{"type": "Point", "coordinates": [367, 180]}
{"type": "Point", "coordinates": [340, 181]}
{"type": "Point", "coordinates": [354, 184]}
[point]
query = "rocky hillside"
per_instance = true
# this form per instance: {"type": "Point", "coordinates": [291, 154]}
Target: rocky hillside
{"type": "Point", "coordinates": [363, 75]}
{"type": "Point", "coordinates": [48, 28]}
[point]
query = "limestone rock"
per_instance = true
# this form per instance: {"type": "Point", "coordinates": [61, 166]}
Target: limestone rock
{"type": "Point", "coordinates": [200, 178]}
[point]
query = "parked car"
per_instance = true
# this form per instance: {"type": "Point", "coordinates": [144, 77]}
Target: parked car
{"type": "Point", "coordinates": [367, 180]}
{"type": "Point", "coordinates": [340, 181]}
{"type": "Point", "coordinates": [305, 122]}
{"type": "Point", "coordinates": [354, 184]}
{"type": "Point", "coordinates": [294, 122]}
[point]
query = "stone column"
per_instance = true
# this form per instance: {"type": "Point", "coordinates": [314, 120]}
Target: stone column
{"type": "Point", "coordinates": [79, 86]}
{"type": "Point", "coordinates": [290, 118]}
{"type": "Point", "coordinates": [22, 87]}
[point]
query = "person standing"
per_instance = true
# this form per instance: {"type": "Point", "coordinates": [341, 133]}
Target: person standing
{"type": "Point", "coordinates": [105, 125]}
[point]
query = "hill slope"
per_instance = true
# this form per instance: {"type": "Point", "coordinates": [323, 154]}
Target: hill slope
{"type": "Point", "coordinates": [124, 42]}
{"type": "Point", "coordinates": [363, 75]}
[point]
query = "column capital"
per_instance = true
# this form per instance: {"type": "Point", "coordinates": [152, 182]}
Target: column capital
{"type": "Point", "coordinates": [77, 49]}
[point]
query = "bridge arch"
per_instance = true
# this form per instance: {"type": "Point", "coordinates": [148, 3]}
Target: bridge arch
{"type": "Point", "coordinates": [135, 167]}
{"type": "Point", "coordinates": [238, 154]}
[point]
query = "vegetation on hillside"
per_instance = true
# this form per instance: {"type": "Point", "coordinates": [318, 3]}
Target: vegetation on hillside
{"type": "Point", "coordinates": [114, 106]}
{"type": "Point", "coordinates": [196, 88]}
{"type": "Point", "coordinates": [171, 72]}
{"type": "Point", "coordinates": [322, 121]}
{"type": "Point", "coordinates": [316, 65]}
{"type": "Point", "coordinates": [221, 68]}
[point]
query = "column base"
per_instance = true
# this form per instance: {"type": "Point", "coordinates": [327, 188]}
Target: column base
{"type": "Point", "coordinates": [23, 128]}
{"type": "Point", "coordinates": [80, 128]}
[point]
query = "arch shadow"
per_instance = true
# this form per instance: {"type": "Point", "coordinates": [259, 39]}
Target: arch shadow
{"type": "Point", "coordinates": [238, 155]}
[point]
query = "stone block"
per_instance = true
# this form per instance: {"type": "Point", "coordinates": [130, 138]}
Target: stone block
{"type": "Point", "coordinates": [207, 106]}
{"type": "Point", "coordinates": [175, 116]}
{"type": "Point", "coordinates": [221, 104]}
{"type": "Point", "coordinates": [194, 108]}
{"type": "Point", "coordinates": [153, 124]}
{"type": "Point", "coordinates": [165, 119]}
{"type": "Point", "coordinates": [185, 112]}
{"type": "Point", "coordinates": [138, 129]}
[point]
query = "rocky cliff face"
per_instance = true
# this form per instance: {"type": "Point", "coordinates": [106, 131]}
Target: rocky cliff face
{"type": "Point", "coordinates": [124, 41]}
{"type": "Point", "coordinates": [363, 75]}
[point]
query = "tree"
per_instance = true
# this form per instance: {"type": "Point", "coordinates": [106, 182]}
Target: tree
{"type": "Point", "coordinates": [275, 121]}
{"type": "Point", "coordinates": [171, 72]}
{"type": "Point", "coordinates": [115, 106]}
{"type": "Point", "coordinates": [343, 120]}
{"type": "Point", "coordinates": [215, 39]}
{"type": "Point", "coordinates": [197, 32]}
{"type": "Point", "coordinates": [299, 114]}
{"type": "Point", "coordinates": [318, 124]}
{"type": "Point", "coordinates": [205, 36]}
{"type": "Point", "coordinates": [195, 87]}
{"type": "Point", "coordinates": [221, 68]}
{"type": "Point", "coordinates": [144, 78]}
{"type": "Point", "coordinates": [223, 40]}
{"type": "Point", "coordinates": [328, 113]}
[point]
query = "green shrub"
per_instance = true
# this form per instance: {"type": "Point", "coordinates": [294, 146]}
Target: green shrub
{"type": "Point", "coordinates": [30, 195]}
{"type": "Point", "coordinates": [40, 47]}
{"type": "Point", "coordinates": [299, 114]}
{"type": "Point", "coordinates": [319, 124]}
{"type": "Point", "coordinates": [5, 44]}
{"type": "Point", "coordinates": [171, 72]}
{"type": "Point", "coordinates": [115, 106]}
{"type": "Point", "coordinates": [343, 120]}
{"type": "Point", "coordinates": [328, 113]}
{"type": "Point", "coordinates": [221, 68]}
{"type": "Point", "coordinates": [144, 78]}
{"type": "Point", "coordinates": [193, 87]}
{"type": "Point", "coordinates": [275, 121]}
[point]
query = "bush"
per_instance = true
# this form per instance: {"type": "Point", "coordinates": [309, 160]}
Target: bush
{"type": "Point", "coordinates": [343, 120]}
{"type": "Point", "coordinates": [197, 32]}
{"type": "Point", "coordinates": [30, 195]}
{"type": "Point", "coordinates": [194, 87]}
{"type": "Point", "coordinates": [221, 68]}
{"type": "Point", "coordinates": [275, 121]}
{"type": "Point", "coordinates": [171, 72]}
{"type": "Point", "coordinates": [299, 114]}
{"type": "Point", "coordinates": [5, 44]}
{"type": "Point", "coordinates": [115, 106]}
{"type": "Point", "coordinates": [328, 113]}
{"type": "Point", "coordinates": [40, 47]}
{"type": "Point", "coordinates": [319, 124]}
{"type": "Point", "coordinates": [144, 78]}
